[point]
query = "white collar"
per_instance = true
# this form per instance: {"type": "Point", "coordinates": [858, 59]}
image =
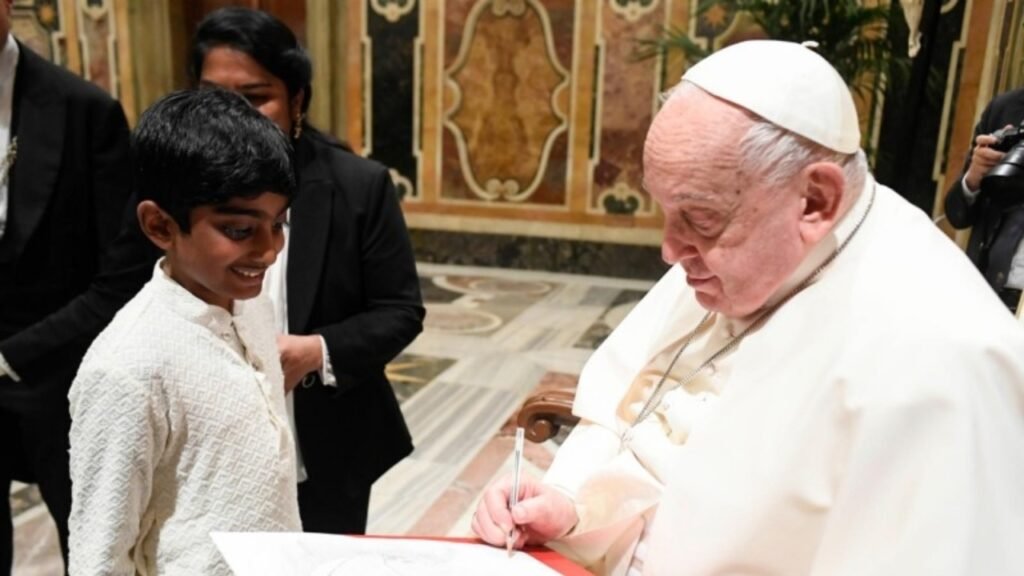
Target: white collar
{"type": "Point", "coordinates": [177, 298]}
{"type": "Point", "coordinates": [8, 62]}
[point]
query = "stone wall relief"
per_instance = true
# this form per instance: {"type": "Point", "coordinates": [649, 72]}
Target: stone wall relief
{"type": "Point", "coordinates": [39, 25]}
{"type": "Point", "coordinates": [633, 10]}
{"type": "Point", "coordinates": [392, 10]}
{"type": "Point", "coordinates": [622, 199]}
{"type": "Point", "coordinates": [403, 186]}
{"type": "Point", "coordinates": [505, 95]}
{"type": "Point", "coordinates": [98, 33]}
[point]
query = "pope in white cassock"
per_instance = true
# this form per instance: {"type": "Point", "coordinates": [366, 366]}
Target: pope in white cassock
{"type": "Point", "coordinates": [822, 384]}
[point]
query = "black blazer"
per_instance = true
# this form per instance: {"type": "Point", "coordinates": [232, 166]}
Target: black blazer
{"type": "Point", "coordinates": [352, 279]}
{"type": "Point", "coordinates": [67, 201]}
{"type": "Point", "coordinates": [983, 215]}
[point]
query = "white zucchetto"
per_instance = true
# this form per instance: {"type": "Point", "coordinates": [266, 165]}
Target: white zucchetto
{"type": "Point", "coordinates": [788, 85]}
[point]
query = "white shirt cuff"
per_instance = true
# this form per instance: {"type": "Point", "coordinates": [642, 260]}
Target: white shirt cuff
{"type": "Point", "coordinates": [6, 370]}
{"type": "Point", "coordinates": [326, 370]}
{"type": "Point", "coordinates": [970, 195]}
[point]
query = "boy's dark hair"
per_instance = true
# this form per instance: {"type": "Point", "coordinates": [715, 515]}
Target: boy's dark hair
{"type": "Point", "coordinates": [264, 38]}
{"type": "Point", "coordinates": [200, 147]}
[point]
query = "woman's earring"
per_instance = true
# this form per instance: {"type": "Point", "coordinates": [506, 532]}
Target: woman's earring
{"type": "Point", "coordinates": [297, 126]}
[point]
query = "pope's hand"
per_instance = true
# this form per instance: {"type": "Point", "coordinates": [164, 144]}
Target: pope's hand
{"type": "Point", "coordinates": [983, 159]}
{"type": "Point", "coordinates": [543, 513]}
{"type": "Point", "coordinates": [300, 355]}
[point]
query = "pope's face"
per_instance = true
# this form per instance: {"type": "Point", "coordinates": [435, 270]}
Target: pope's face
{"type": "Point", "coordinates": [736, 239]}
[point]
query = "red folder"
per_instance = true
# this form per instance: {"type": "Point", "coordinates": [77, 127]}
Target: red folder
{"type": "Point", "coordinates": [545, 555]}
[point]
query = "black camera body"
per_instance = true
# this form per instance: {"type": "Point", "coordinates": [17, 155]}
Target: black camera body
{"type": "Point", "coordinates": [1008, 137]}
{"type": "Point", "coordinates": [1004, 183]}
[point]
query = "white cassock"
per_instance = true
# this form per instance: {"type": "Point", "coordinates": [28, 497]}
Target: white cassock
{"type": "Point", "coordinates": [873, 425]}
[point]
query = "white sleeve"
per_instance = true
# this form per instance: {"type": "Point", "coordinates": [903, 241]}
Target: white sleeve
{"type": "Point", "coordinates": [612, 492]}
{"type": "Point", "coordinates": [6, 370]}
{"type": "Point", "coordinates": [587, 448]}
{"type": "Point", "coordinates": [969, 195]}
{"type": "Point", "coordinates": [933, 485]}
{"type": "Point", "coordinates": [118, 431]}
{"type": "Point", "coordinates": [326, 368]}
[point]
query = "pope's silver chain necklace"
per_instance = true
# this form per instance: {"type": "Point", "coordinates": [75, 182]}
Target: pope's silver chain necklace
{"type": "Point", "coordinates": [660, 389]}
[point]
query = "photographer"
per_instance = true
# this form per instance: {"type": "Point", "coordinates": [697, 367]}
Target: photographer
{"type": "Point", "coordinates": [997, 218]}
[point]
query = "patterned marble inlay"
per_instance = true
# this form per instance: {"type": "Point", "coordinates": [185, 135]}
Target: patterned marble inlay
{"type": "Point", "coordinates": [552, 254]}
{"type": "Point", "coordinates": [392, 10]}
{"type": "Point", "coordinates": [459, 319]}
{"type": "Point", "coordinates": [633, 10]}
{"type": "Point", "coordinates": [505, 92]}
{"type": "Point", "coordinates": [482, 381]}
{"type": "Point", "coordinates": [410, 373]}
{"type": "Point", "coordinates": [99, 34]}
{"type": "Point", "coordinates": [391, 32]}
{"type": "Point", "coordinates": [626, 102]}
{"type": "Point", "coordinates": [38, 24]}
{"type": "Point", "coordinates": [609, 320]}
{"type": "Point", "coordinates": [491, 287]}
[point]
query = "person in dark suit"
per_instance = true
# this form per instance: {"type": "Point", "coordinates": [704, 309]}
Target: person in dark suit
{"type": "Point", "coordinates": [345, 287]}
{"type": "Point", "coordinates": [64, 268]}
{"type": "Point", "coordinates": [997, 229]}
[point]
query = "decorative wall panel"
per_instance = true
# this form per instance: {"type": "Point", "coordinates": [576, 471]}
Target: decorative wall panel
{"type": "Point", "coordinates": [98, 33]}
{"type": "Point", "coordinates": [506, 101]}
{"type": "Point", "coordinates": [40, 26]}
{"type": "Point", "coordinates": [392, 27]}
{"type": "Point", "coordinates": [627, 98]}
{"type": "Point", "coordinates": [522, 117]}
{"type": "Point", "coordinates": [83, 36]}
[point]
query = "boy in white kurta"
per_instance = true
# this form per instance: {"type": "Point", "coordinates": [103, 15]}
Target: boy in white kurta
{"type": "Point", "coordinates": [178, 416]}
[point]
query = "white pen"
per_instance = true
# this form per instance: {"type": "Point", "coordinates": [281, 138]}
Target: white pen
{"type": "Point", "coordinates": [513, 497]}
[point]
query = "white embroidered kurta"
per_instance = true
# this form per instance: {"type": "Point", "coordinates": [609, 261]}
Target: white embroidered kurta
{"type": "Point", "coordinates": [178, 429]}
{"type": "Point", "coordinates": [874, 425]}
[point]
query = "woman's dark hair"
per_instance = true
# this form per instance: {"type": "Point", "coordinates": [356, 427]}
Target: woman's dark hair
{"type": "Point", "coordinates": [264, 38]}
{"type": "Point", "coordinates": [200, 147]}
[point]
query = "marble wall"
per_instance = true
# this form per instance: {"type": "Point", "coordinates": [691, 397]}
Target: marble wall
{"type": "Point", "coordinates": [88, 37]}
{"type": "Point", "coordinates": [516, 117]}
{"type": "Point", "coordinates": [520, 118]}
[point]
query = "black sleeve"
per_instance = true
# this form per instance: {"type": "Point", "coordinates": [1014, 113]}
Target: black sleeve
{"type": "Point", "coordinates": [959, 213]}
{"type": "Point", "coordinates": [127, 259]}
{"type": "Point", "coordinates": [393, 314]}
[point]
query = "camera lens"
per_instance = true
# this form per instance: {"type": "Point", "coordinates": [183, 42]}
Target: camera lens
{"type": "Point", "coordinates": [1005, 181]}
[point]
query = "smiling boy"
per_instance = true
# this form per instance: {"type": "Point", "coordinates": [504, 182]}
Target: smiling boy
{"type": "Point", "coordinates": [178, 417]}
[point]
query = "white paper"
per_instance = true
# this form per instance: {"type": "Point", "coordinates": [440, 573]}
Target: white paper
{"type": "Point", "coordinates": [299, 554]}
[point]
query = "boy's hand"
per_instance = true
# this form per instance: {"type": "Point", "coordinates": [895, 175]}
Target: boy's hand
{"type": "Point", "coordinates": [300, 355]}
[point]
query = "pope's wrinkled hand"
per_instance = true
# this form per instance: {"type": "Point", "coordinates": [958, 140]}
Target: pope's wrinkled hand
{"type": "Point", "coordinates": [543, 513]}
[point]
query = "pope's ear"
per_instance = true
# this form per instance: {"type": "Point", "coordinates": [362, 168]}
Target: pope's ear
{"type": "Point", "coordinates": [156, 224]}
{"type": "Point", "coordinates": [824, 186]}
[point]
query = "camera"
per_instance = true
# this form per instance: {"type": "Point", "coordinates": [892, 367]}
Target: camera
{"type": "Point", "coordinates": [1004, 183]}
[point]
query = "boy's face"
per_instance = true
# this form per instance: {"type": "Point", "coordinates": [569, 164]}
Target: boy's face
{"type": "Point", "coordinates": [226, 254]}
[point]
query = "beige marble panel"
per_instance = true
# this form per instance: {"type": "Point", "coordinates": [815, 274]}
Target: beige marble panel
{"type": "Point", "coordinates": [505, 99]}
{"type": "Point", "coordinates": [627, 102]}
{"type": "Point", "coordinates": [502, 99]}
